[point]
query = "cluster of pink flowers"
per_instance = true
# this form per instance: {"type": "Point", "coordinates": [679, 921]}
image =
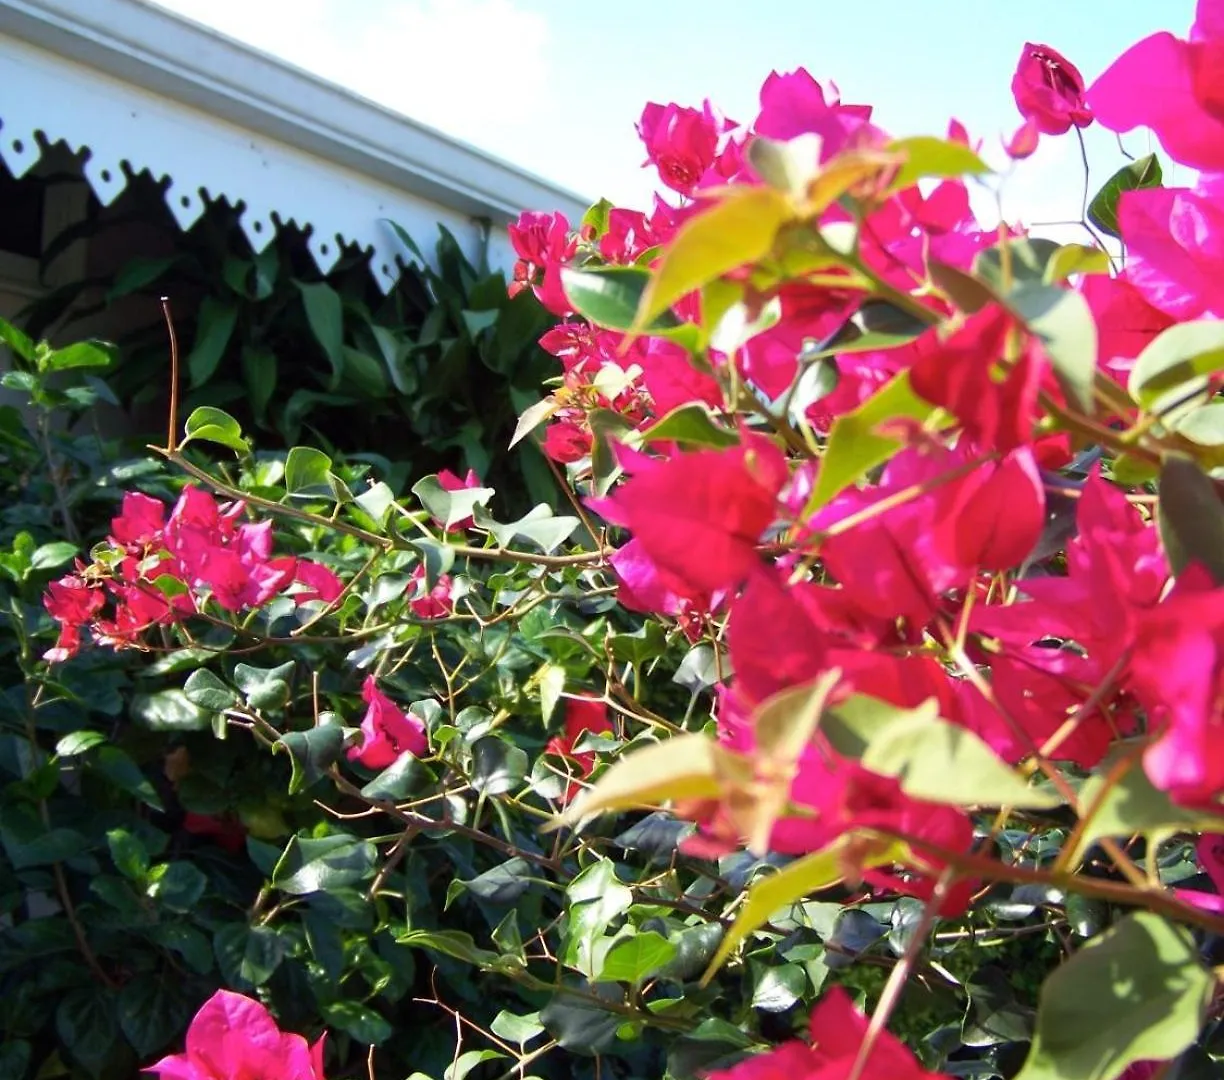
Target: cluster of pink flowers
{"type": "Point", "coordinates": [161, 568]}
{"type": "Point", "coordinates": [913, 589]}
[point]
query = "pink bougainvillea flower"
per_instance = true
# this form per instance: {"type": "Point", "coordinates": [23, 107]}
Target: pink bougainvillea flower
{"type": "Point", "coordinates": [700, 516]}
{"type": "Point", "coordinates": [1023, 144]}
{"type": "Point", "coordinates": [427, 603]}
{"type": "Point", "coordinates": [837, 1032]}
{"type": "Point", "coordinates": [72, 602]}
{"type": "Point", "coordinates": [233, 1037]}
{"type": "Point", "coordinates": [1049, 91]}
{"type": "Point", "coordinates": [992, 518]}
{"type": "Point", "coordinates": [582, 714]}
{"type": "Point", "coordinates": [670, 377]}
{"type": "Point", "coordinates": [1210, 851]}
{"type": "Point", "coordinates": [1125, 321]}
{"type": "Point", "coordinates": [319, 582]}
{"type": "Point", "coordinates": [1172, 86]}
{"type": "Point", "coordinates": [543, 245]}
{"type": "Point", "coordinates": [1175, 248]}
{"type": "Point", "coordinates": [386, 731]}
{"type": "Point", "coordinates": [448, 481]}
{"type": "Point", "coordinates": [680, 143]}
{"type": "Point", "coordinates": [795, 104]}
{"type": "Point", "coordinates": [140, 522]}
{"type": "Point", "coordinates": [956, 373]}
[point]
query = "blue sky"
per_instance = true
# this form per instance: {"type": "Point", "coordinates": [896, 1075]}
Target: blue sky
{"type": "Point", "coordinates": [556, 85]}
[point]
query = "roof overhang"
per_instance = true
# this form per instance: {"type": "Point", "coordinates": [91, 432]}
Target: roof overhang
{"type": "Point", "coordinates": [140, 88]}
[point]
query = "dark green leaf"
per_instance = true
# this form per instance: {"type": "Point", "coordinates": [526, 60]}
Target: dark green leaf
{"type": "Point", "coordinates": [325, 314]}
{"type": "Point", "coordinates": [204, 689]}
{"type": "Point", "coordinates": [88, 1027]}
{"type": "Point", "coordinates": [362, 1023]}
{"type": "Point", "coordinates": [264, 688]}
{"type": "Point", "coordinates": [1191, 518]}
{"type": "Point", "coordinates": [610, 296]}
{"type": "Point", "coordinates": [1063, 321]}
{"type": "Point", "coordinates": [128, 854]}
{"type": "Point", "coordinates": [215, 327]}
{"type": "Point", "coordinates": [1144, 172]}
{"type": "Point", "coordinates": [309, 866]}
{"type": "Point", "coordinates": [16, 340]}
{"type": "Point", "coordinates": [776, 988]}
{"type": "Point", "coordinates": [176, 885]}
{"type": "Point", "coordinates": [152, 1013]}
{"type": "Point", "coordinates": [403, 777]}
{"type": "Point", "coordinates": [578, 1022]}
{"type": "Point", "coordinates": [125, 774]}
{"type": "Point", "coordinates": [311, 753]}
{"type": "Point", "coordinates": [262, 954]}
{"type": "Point", "coordinates": [259, 372]}
{"type": "Point", "coordinates": [497, 766]}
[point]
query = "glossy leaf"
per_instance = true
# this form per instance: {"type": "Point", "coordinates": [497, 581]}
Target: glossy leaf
{"type": "Point", "coordinates": [636, 958]}
{"type": "Point", "coordinates": [207, 424]}
{"type": "Point", "coordinates": [214, 328]}
{"type": "Point", "coordinates": [1144, 172]}
{"type": "Point", "coordinates": [610, 296]}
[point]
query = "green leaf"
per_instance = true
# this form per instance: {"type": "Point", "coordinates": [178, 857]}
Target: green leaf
{"type": "Point", "coordinates": [362, 1023]}
{"type": "Point", "coordinates": [740, 228]}
{"type": "Point", "coordinates": [1203, 425]}
{"type": "Point", "coordinates": [78, 742]}
{"type": "Point", "coordinates": [325, 315]}
{"type": "Point", "coordinates": [452, 943]}
{"type": "Point", "coordinates": [49, 556]}
{"type": "Point", "coordinates": [1064, 322]}
{"type": "Point", "coordinates": [204, 689]}
{"type": "Point", "coordinates": [635, 959]}
{"type": "Point", "coordinates": [308, 472]}
{"type": "Point", "coordinates": [929, 156]}
{"type": "Point", "coordinates": [84, 354]}
{"type": "Point", "coordinates": [691, 425]}
{"type": "Point", "coordinates": [610, 297]}
{"type": "Point", "coordinates": [788, 166]}
{"type": "Point", "coordinates": [262, 954]}
{"type": "Point", "coordinates": [401, 778]}
{"type": "Point", "coordinates": [579, 1024]}
{"type": "Point", "coordinates": [682, 767]}
{"type": "Point", "coordinates": [1144, 172]}
{"type": "Point", "coordinates": [769, 895]}
{"type": "Point", "coordinates": [516, 1029]}
{"type": "Point", "coordinates": [311, 753]}
{"type": "Point", "coordinates": [933, 759]}
{"type": "Point", "coordinates": [125, 774]}
{"type": "Point", "coordinates": [1180, 358]}
{"type": "Point", "coordinates": [310, 866]}
{"type": "Point", "coordinates": [539, 526]}
{"type": "Point", "coordinates": [449, 507]}
{"type": "Point", "coordinates": [265, 688]}
{"type": "Point", "coordinates": [1132, 805]}
{"type": "Point", "coordinates": [532, 417]}
{"type": "Point", "coordinates": [152, 1014]}
{"type": "Point", "coordinates": [498, 767]}
{"type": "Point", "coordinates": [176, 885]}
{"type": "Point", "coordinates": [128, 854]}
{"type": "Point", "coordinates": [596, 219]}
{"type": "Point", "coordinates": [552, 685]}
{"type": "Point", "coordinates": [1191, 518]}
{"type": "Point", "coordinates": [87, 1026]}
{"type": "Point", "coordinates": [1138, 992]}
{"type": "Point", "coordinates": [776, 988]}
{"type": "Point", "coordinates": [1028, 262]}
{"type": "Point", "coordinates": [216, 426]}
{"type": "Point", "coordinates": [136, 273]}
{"type": "Point", "coordinates": [1072, 259]}
{"type": "Point", "coordinates": [259, 372]}
{"type": "Point", "coordinates": [214, 328]}
{"type": "Point", "coordinates": [855, 447]}
{"type": "Point", "coordinates": [169, 710]}
{"type": "Point", "coordinates": [16, 340]}
{"type": "Point", "coordinates": [467, 1061]}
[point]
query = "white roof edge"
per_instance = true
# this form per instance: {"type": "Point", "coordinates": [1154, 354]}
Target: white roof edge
{"type": "Point", "coordinates": [149, 46]}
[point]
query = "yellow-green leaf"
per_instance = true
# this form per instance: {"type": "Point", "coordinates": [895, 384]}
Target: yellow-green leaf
{"type": "Point", "coordinates": [926, 155]}
{"type": "Point", "coordinates": [770, 895]}
{"type": "Point", "coordinates": [1075, 259]}
{"type": "Point", "coordinates": [855, 446]}
{"type": "Point", "coordinates": [682, 767]}
{"type": "Point", "coordinates": [1180, 359]}
{"type": "Point", "coordinates": [738, 229]}
{"type": "Point", "coordinates": [936, 760]}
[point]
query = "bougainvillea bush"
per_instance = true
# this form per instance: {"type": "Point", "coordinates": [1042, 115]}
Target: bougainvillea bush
{"type": "Point", "coordinates": [862, 719]}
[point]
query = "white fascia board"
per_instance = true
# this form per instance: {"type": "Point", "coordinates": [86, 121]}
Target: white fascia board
{"type": "Point", "coordinates": [134, 83]}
